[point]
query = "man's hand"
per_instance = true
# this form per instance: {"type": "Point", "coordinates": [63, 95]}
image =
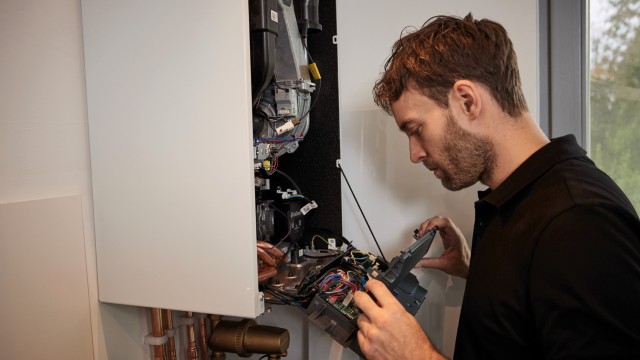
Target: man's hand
{"type": "Point", "coordinates": [455, 258]}
{"type": "Point", "coordinates": [387, 330]}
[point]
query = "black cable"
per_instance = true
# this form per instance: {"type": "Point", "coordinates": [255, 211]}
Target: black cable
{"type": "Point", "coordinates": [290, 181]}
{"type": "Point", "coordinates": [286, 254]}
{"type": "Point", "coordinates": [361, 212]}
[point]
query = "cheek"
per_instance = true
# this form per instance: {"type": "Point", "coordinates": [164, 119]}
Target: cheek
{"type": "Point", "coordinates": [432, 144]}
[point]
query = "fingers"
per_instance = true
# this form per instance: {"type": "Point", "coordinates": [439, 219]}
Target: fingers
{"type": "Point", "coordinates": [432, 263]}
{"type": "Point", "coordinates": [442, 223]}
{"type": "Point", "coordinates": [380, 292]}
{"type": "Point", "coordinates": [363, 322]}
{"type": "Point", "coordinates": [378, 297]}
{"type": "Point", "coordinates": [363, 341]}
{"type": "Point", "coordinates": [364, 302]}
{"type": "Point", "coordinates": [455, 258]}
{"type": "Point", "coordinates": [449, 232]}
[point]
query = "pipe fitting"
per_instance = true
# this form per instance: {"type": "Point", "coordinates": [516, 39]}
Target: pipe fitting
{"type": "Point", "coordinates": [246, 337]}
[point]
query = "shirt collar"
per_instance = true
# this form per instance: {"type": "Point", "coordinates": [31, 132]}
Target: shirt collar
{"type": "Point", "coordinates": [556, 151]}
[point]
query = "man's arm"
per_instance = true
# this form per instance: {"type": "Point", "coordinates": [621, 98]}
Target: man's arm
{"type": "Point", "coordinates": [585, 285]}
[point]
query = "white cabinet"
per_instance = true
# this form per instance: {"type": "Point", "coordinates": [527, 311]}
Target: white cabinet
{"type": "Point", "coordinates": [169, 107]}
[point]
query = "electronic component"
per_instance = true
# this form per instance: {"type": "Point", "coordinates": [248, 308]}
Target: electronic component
{"type": "Point", "coordinates": [331, 307]}
{"type": "Point", "coordinates": [398, 277]}
{"type": "Point", "coordinates": [280, 79]}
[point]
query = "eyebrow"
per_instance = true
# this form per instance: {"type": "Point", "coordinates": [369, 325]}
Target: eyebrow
{"type": "Point", "coordinates": [405, 125]}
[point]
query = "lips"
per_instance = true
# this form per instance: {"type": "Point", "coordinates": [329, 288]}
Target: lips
{"type": "Point", "coordinates": [430, 166]}
{"type": "Point", "coordinates": [434, 168]}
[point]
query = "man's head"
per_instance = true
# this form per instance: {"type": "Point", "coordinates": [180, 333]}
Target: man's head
{"type": "Point", "coordinates": [447, 49]}
{"type": "Point", "coordinates": [452, 86]}
{"type": "Point", "coordinates": [457, 156]}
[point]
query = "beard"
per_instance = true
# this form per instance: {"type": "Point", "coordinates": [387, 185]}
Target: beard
{"type": "Point", "coordinates": [466, 158]}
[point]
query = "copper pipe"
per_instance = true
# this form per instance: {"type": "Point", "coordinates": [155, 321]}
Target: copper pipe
{"type": "Point", "coordinates": [268, 258]}
{"type": "Point", "coordinates": [215, 320]}
{"type": "Point", "coordinates": [266, 273]}
{"type": "Point", "coordinates": [168, 324]}
{"type": "Point", "coordinates": [203, 339]}
{"type": "Point", "coordinates": [192, 349]}
{"type": "Point", "coordinates": [157, 331]}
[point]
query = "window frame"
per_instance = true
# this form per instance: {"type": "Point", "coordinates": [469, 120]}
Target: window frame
{"type": "Point", "coordinates": [564, 65]}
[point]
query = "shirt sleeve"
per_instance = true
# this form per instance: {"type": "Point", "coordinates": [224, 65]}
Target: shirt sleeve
{"type": "Point", "coordinates": [585, 285]}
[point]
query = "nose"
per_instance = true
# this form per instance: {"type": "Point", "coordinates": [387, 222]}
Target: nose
{"type": "Point", "coordinates": [416, 151]}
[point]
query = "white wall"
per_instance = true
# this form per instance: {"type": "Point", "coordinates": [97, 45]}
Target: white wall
{"type": "Point", "coordinates": [43, 141]}
{"type": "Point", "coordinates": [395, 194]}
{"type": "Point", "coordinates": [43, 277]}
{"type": "Point", "coordinates": [44, 159]}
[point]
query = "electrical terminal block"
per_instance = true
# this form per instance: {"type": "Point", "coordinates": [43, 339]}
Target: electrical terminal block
{"type": "Point", "coordinates": [287, 102]}
{"type": "Point", "coordinates": [262, 151]}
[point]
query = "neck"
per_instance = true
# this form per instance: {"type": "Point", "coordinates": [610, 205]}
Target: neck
{"type": "Point", "coordinates": [515, 140]}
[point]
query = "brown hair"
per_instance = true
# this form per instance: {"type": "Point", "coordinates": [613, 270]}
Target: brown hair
{"type": "Point", "coordinates": [447, 49]}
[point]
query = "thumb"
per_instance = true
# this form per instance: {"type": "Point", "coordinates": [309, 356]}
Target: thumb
{"type": "Point", "coordinates": [433, 263]}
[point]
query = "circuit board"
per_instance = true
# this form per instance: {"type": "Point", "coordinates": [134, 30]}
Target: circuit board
{"type": "Point", "coordinates": [338, 285]}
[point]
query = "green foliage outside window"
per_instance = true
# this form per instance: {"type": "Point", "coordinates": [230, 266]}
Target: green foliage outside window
{"type": "Point", "coordinates": [615, 96]}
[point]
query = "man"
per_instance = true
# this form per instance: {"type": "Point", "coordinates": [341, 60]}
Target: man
{"type": "Point", "coordinates": [555, 265]}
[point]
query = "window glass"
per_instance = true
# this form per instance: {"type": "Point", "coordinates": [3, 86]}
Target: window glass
{"type": "Point", "coordinates": [614, 110]}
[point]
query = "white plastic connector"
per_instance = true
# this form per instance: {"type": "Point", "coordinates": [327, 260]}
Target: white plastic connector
{"type": "Point", "coordinates": [338, 163]}
{"type": "Point", "coordinates": [287, 194]}
{"type": "Point", "coordinates": [285, 127]}
{"type": "Point", "coordinates": [310, 206]}
{"type": "Point", "coordinates": [186, 321]}
{"type": "Point", "coordinates": [347, 299]}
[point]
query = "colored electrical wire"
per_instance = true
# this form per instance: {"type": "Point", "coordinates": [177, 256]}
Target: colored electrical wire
{"type": "Point", "coordinates": [274, 166]}
{"type": "Point", "coordinates": [320, 237]}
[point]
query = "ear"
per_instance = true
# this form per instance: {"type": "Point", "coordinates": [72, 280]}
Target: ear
{"type": "Point", "coordinates": [465, 95]}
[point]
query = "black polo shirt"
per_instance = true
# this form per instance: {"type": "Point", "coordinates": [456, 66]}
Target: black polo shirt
{"type": "Point", "coordinates": [555, 264]}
